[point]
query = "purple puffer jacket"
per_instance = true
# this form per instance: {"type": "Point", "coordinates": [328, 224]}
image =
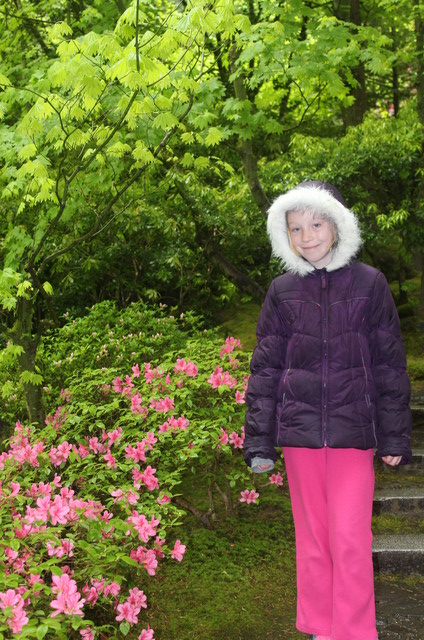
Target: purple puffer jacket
{"type": "Point", "coordinates": [329, 368]}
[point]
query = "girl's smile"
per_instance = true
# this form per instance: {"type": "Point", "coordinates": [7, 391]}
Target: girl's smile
{"type": "Point", "coordinates": [311, 237]}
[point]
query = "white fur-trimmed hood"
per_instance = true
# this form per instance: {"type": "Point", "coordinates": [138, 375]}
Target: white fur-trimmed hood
{"type": "Point", "coordinates": [322, 198]}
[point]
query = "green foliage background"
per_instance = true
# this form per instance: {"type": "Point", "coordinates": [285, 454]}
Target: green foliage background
{"type": "Point", "coordinates": [141, 144]}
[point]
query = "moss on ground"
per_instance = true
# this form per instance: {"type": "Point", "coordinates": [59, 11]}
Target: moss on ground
{"type": "Point", "coordinates": [236, 582]}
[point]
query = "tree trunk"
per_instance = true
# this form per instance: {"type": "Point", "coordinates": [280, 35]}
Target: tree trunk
{"type": "Point", "coordinates": [395, 78]}
{"type": "Point", "coordinates": [205, 239]}
{"type": "Point", "coordinates": [249, 160]}
{"type": "Point", "coordinates": [23, 336]}
{"type": "Point", "coordinates": [353, 115]}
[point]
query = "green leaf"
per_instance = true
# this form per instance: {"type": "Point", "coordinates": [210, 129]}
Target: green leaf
{"type": "Point", "coordinates": [214, 136]}
{"type": "Point", "coordinates": [48, 288]}
{"type": "Point", "coordinates": [165, 121]}
{"type": "Point", "coordinates": [42, 630]}
{"type": "Point", "coordinates": [29, 377]}
{"type": "Point", "coordinates": [27, 152]}
{"type": "Point", "coordinates": [124, 628]}
{"type": "Point", "coordinates": [4, 81]}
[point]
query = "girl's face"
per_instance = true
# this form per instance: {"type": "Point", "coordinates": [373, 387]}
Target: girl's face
{"type": "Point", "coordinates": [311, 237]}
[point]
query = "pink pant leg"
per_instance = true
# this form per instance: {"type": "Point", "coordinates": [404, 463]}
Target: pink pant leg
{"type": "Point", "coordinates": [331, 492]}
{"type": "Point", "coordinates": [350, 477]}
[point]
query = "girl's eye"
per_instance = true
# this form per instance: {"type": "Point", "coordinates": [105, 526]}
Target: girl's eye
{"type": "Point", "coordinates": [317, 225]}
{"type": "Point", "coordinates": [294, 229]}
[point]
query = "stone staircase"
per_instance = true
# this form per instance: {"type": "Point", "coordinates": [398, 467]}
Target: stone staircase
{"type": "Point", "coordinates": [398, 547]}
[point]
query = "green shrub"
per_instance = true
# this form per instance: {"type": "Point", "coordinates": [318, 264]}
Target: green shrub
{"type": "Point", "coordinates": [92, 502]}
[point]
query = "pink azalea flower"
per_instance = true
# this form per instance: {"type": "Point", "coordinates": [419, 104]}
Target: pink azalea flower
{"type": "Point", "coordinates": [136, 371]}
{"type": "Point", "coordinates": [82, 451]}
{"type": "Point", "coordinates": [58, 511]}
{"type": "Point", "coordinates": [43, 505]}
{"type": "Point", "coordinates": [144, 528]}
{"type": "Point", "coordinates": [118, 495]}
{"type": "Point", "coordinates": [163, 405]}
{"type": "Point", "coordinates": [138, 453]}
{"type": "Point", "coordinates": [19, 618]}
{"type": "Point", "coordinates": [165, 427]}
{"type": "Point", "coordinates": [150, 440]}
{"type": "Point", "coordinates": [190, 369]}
{"type": "Point", "coordinates": [114, 435]}
{"type": "Point", "coordinates": [220, 377]}
{"type": "Point", "coordinates": [68, 604]}
{"type": "Point", "coordinates": [127, 612]}
{"type": "Point", "coordinates": [179, 423]}
{"type": "Point", "coordinates": [178, 551]}
{"type": "Point", "coordinates": [112, 589]}
{"type": "Point", "coordinates": [148, 478]}
{"type": "Point", "coordinates": [147, 558]}
{"type": "Point", "coordinates": [137, 598]}
{"type": "Point", "coordinates": [229, 346]}
{"type": "Point", "coordinates": [15, 486]}
{"type": "Point", "coordinates": [223, 438]}
{"type": "Point", "coordinates": [117, 385]}
{"type": "Point", "coordinates": [236, 440]}
{"type": "Point", "coordinates": [68, 600]}
{"type": "Point", "coordinates": [146, 634]}
{"type": "Point", "coordinates": [240, 397]}
{"type": "Point", "coordinates": [111, 461]}
{"type": "Point", "coordinates": [136, 402]}
{"type": "Point", "coordinates": [95, 445]}
{"type": "Point", "coordinates": [180, 365]}
{"type": "Point", "coordinates": [165, 499]}
{"type": "Point", "coordinates": [248, 496]}
{"type": "Point", "coordinates": [276, 479]}
{"type": "Point", "coordinates": [57, 481]}
{"type": "Point", "coordinates": [87, 634]}
{"type": "Point", "coordinates": [9, 598]}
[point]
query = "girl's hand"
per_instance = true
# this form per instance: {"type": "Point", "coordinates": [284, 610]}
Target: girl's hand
{"type": "Point", "coordinates": [264, 467]}
{"type": "Point", "coordinates": [393, 461]}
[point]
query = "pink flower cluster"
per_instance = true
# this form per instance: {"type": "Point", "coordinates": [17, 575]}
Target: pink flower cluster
{"type": "Point", "coordinates": [68, 599]}
{"type": "Point", "coordinates": [233, 438]}
{"type": "Point", "coordinates": [220, 377]}
{"type": "Point", "coordinates": [60, 518]}
{"type": "Point", "coordinates": [98, 588]}
{"type": "Point", "coordinates": [146, 477]}
{"type": "Point", "coordinates": [142, 526]}
{"type": "Point", "coordinates": [229, 346]}
{"type": "Point", "coordinates": [174, 423]}
{"type": "Point", "coordinates": [58, 418]}
{"type": "Point", "coordinates": [21, 450]}
{"type": "Point", "coordinates": [248, 496]}
{"type": "Point", "coordinates": [276, 479]}
{"type": "Point", "coordinates": [18, 619]}
{"type": "Point", "coordinates": [189, 368]}
{"type": "Point", "coordinates": [132, 606]}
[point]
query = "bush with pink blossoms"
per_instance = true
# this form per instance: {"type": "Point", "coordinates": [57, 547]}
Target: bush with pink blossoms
{"type": "Point", "coordinates": [90, 504]}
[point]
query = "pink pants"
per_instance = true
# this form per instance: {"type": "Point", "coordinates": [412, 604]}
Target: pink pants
{"type": "Point", "coordinates": [332, 492]}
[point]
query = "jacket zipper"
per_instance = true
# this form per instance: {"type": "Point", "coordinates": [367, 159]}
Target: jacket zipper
{"type": "Point", "coordinates": [324, 300]}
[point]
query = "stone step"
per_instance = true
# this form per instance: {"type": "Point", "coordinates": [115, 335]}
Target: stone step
{"type": "Point", "coordinates": [399, 605]}
{"type": "Point", "coordinates": [403, 553]}
{"type": "Point", "coordinates": [405, 501]}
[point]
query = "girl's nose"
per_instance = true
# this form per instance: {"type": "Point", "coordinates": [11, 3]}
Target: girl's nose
{"type": "Point", "coordinates": [306, 235]}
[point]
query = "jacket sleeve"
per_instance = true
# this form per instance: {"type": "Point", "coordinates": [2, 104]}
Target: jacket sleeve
{"type": "Point", "coordinates": [390, 376]}
{"type": "Point", "coordinates": [266, 368]}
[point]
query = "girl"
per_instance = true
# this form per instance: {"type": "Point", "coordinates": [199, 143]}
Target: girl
{"type": "Point", "coordinates": [328, 384]}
